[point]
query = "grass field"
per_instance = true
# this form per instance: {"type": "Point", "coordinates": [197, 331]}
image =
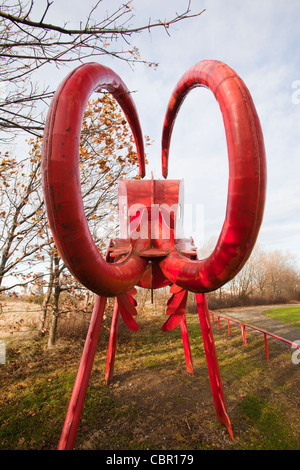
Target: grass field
{"type": "Point", "coordinates": [152, 402]}
{"type": "Point", "coordinates": [289, 315]}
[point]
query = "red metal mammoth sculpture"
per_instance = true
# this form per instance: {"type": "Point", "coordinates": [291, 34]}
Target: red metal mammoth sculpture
{"type": "Point", "coordinates": [148, 253]}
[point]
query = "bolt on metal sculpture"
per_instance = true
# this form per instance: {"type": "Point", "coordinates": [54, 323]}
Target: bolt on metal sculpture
{"type": "Point", "coordinates": [148, 253]}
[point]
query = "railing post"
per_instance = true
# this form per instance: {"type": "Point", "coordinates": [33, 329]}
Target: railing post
{"type": "Point", "coordinates": [244, 334]}
{"type": "Point", "coordinates": [228, 324]}
{"type": "Point", "coordinates": [266, 346]}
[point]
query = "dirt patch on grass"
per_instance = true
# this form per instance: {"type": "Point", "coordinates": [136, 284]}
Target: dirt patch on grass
{"type": "Point", "coordinates": [172, 403]}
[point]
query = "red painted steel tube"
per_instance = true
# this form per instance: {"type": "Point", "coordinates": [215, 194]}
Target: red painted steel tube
{"type": "Point", "coordinates": [228, 323]}
{"type": "Point", "coordinates": [247, 178]}
{"type": "Point", "coordinates": [225, 318]}
{"type": "Point", "coordinates": [228, 327]}
{"type": "Point", "coordinates": [186, 346]}
{"type": "Point", "coordinates": [112, 345]}
{"type": "Point", "coordinates": [212, 362]}
{"type": "Point", "coordinates": [266, 345]}
{"type": "Point", "coordinates": [61, 180]}
{"type": "Point", "coordinates": [244, 334]}
{"type": "Point", "coordinates": [71, 424]}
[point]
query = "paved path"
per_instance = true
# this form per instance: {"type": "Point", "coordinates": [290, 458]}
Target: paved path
{"type": "Point", "coordinates": [253, 316]}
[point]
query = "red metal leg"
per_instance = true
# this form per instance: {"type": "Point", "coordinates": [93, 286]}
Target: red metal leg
{"type": "Point", "coordinates": [186, 346]}
{"type": "Point", "coordinates": [176, 312]}
{"type": "Point", "coordinates": [112, 343]}
{"type": "Point", "coordinates": [69, 431]}
{"type": "Point", "coordinates": [212, 362]}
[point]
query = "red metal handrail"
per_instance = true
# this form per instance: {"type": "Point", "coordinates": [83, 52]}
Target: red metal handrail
{"type": "Point", "coordinates": [243, 329]}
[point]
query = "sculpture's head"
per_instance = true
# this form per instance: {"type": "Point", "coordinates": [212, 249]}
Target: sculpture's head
{"type": "Point", "coordinates": [149, 251]}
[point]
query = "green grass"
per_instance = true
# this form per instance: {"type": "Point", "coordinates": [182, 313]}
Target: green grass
{"type": "Point", "coordinates": [267, 417]}
{"type": "Point", "coordinates": [289, 315]}
{"type": "Point", "coordinates": [152, 402]}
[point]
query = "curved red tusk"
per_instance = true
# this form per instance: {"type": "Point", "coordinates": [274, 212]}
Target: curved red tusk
{"type": "Point", "coordinates": [61, 180]}
{"type": "Point", "coordinates": [247, 178]}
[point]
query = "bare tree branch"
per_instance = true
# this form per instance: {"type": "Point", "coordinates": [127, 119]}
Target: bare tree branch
{"type": "Point", "coordinates": [27, 45]}
{"type": "Point", "coordinates": [96, 30]}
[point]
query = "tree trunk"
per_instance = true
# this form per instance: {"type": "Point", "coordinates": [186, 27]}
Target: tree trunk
{"type": "Point", "coordinates": [47, 297]}
{"type": "Point", "coordinates": [57, 291]}
{"type": "Point", "coordinates": [53, 329]}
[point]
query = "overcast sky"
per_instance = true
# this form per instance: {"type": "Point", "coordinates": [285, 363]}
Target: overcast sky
{"type": "Point", "coordinates": [260, 40]}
